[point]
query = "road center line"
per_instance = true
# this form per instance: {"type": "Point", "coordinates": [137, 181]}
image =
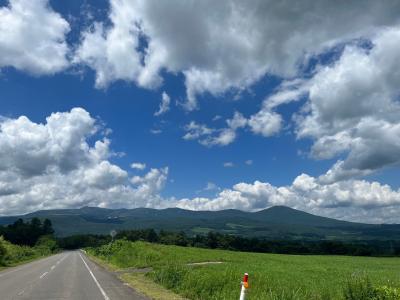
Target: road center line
{"type": "Point", "coordinates": [53, 267]}
{"type": "Point", "coordinates": [24, 266]}
{"type": "Point", "coordinates": [95, 280]}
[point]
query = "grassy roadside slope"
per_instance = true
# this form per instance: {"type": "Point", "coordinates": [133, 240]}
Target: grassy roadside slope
{"type": "Point", "coordinates": [272, 276]}
{"type": "Point", "coordinates": [12, 255]}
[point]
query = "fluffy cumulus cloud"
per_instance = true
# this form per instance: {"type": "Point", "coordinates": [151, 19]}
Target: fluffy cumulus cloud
{"type": "Point", "coordinates": [33, 37]}
{"type": "Point", "coordinates": [152, 182]}
{"type": "Point", "coordinates": [111, 52]}
{"type": "Point", "coordinates": [265, 123]}
{"type": "Point", "coordinates": [351, 107]}
{"type": "Point", "coordinates": [355, 104]}
{"type": "Point", "coordinates": [218, 45]}
{"type": "Point", "coordinates": [356, 200]}
{"type": "Point", "coordinates": [53, 165]}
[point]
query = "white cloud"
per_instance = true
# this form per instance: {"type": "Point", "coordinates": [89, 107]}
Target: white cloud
{"type": "Point", "coordinates": [248, 162]}
{"type": "Point", "coordinates": [195, 131]}
{"type": "Point", "coordinates": [105, 175]}
{"type": "Point", "coordinates": [164, 105]}
{"type": "Point", "coordinates": [33, 37]}
{"type": "Point", "coordinates": [355, 200]}
{"type": "Point", "coordinates": [215, 137]}
{"type": "Point", "coordinates": [33, 149]}
{"type": "Point", "coordinates": [216, 118]}
{"type": "Point", "coordinates": [210, 186]}
{"type": "Point", "coordinates": [220, 46]}
{"type": "Point", "coordinates": [238, 121]}
{"type": "Point", "coordinates": [288, 91]}
{"type": "Point", "coordinates": [155, 131]}
{"type": "Point", "coordinates": [228, 164]}
{"type": "Point", "coordinates": [138, 166]}
{"type": "Point", "coordinates": [352, 108]}
{"type": "Point", "coordinates": [361, 116]}
{"type": "Point", "coordinates": [265, 123]}
{"type": "Point", "coordinates": [52, 165]}
{"type": "Point", "coordinates": [153, 182]}
{"type": "Point", "coordinates": [111, 51]}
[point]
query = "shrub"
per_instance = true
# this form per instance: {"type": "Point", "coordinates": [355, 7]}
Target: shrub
{"type": "Point", "coordinates": [387, 293]}
{"type": "Point", "coordinates": [46, 245]}
{"type": "Point", "coordinates": [3, 251]}
{"type": "Point", "coordinates": [360, 288]}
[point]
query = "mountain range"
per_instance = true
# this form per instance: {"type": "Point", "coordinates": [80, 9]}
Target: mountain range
{"type": "Point", "coordinates": [278, 222]}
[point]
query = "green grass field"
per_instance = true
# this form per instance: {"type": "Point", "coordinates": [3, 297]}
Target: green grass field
{"type": "Point", "coordinates": [271, 276]}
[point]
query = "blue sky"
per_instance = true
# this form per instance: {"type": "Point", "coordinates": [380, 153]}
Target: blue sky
{"type": "Point", "coordinates": [129, 112]}
{"type": "Point", "coordinates": [275, 107]}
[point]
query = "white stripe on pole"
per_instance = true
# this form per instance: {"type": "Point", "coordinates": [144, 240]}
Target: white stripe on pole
{"type": "Point", "coordinates": [243, 293]}
{"type": "Point", "coordinates": [245, 285]}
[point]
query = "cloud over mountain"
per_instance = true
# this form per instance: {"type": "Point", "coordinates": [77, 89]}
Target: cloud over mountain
{"type": "Point", "coordinates": [356, 200]}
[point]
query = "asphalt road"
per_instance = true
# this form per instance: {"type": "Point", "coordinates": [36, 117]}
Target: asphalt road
{"type": "Point", "coordinates": [68, 275]}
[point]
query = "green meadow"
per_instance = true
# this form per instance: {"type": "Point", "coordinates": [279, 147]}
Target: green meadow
{"type": "Point", "coordinates": [271, 276]}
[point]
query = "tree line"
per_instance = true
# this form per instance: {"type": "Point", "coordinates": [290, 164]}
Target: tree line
{"type": "Point", "coordinates": [214, 240]}
{"type": "Point", "coordinates": [26, 233]}
{"type": "Point", "coordinates": [29, 233]}
{"type": "Point", "coordinates": [23, 241]}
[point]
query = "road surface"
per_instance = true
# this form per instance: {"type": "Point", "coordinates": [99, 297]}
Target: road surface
{"type": "Point", "coordinates": [68, 275]}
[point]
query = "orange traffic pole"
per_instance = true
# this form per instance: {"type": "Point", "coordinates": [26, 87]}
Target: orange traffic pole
{"type": "Point", "coordinates": [245, 286]}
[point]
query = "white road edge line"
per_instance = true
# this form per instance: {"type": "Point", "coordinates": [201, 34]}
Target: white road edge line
{"type": "Point", "coordinates": [95, 280]}
{"type": "Point", "coordinates": [44, 274]}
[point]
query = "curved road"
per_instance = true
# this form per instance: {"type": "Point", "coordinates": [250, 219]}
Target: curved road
{"type": "Point", "coordinates": [68, 275]}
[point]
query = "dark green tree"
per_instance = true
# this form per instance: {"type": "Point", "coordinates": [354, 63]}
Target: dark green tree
{"type": "Point", "coordinates": [47, 227]}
